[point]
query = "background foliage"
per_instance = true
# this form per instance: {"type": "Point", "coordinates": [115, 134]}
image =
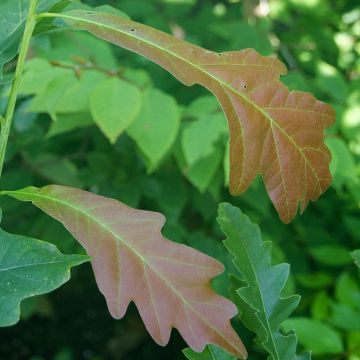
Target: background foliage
{"type": "Point", "coordinates": [178, 165]}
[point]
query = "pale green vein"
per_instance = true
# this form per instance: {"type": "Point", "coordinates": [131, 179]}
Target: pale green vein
{"type": "Point", "coordinates": [33, 198]}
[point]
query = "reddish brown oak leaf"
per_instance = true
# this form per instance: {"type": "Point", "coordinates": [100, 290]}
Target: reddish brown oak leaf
{"type": "Point", "coordinates": [273, 132]}
{"type": "Point", "coordinates": [132, 261]}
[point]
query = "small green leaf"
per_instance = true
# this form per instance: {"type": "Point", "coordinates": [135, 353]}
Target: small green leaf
{"type": "Point", "coordinates": [315, 335]}
{"type": "Point", "coordinates": [344, 317]}
{"type": "Point", "coordinates": [356, 256]}
{"type": "Point", "coordinates": [69, 122]}
{"type": "Point", "coordinates": [199, 137]}
{"type": "Point", "coordinates": [315, 280]}
{"type": "Point", "coordinates": [331, 255]}
{"type": "Point", "coordinates": [211, 352]}
{"type": "Point", "coordinates": [29, 267]}
{"type": "Point", "coordinates": [347, 290]}
{"type": "Point", "coordinates": [114, 104]}
{"type": "Point", "coordinates": [260, 303]}
{"type": "Point", "coordinates": [156, 126]}
{"type": "Point", "coordinates": [76, 97]}
{"type": "Point", "coordinates": [342, 164]}
{"type": "Point", "coordinates": [37, 76]}
{"type": "Point", "coordinates": [47, 100]}
{"type": "Point", "coordinates": [201, 106]}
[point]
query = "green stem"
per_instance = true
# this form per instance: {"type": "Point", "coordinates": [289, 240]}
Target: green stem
{"type": "Point", "coordinates": [7, 120]}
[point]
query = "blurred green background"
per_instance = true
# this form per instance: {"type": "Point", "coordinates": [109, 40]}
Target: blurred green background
{"type": "Point", "coordinates": [54, 140]}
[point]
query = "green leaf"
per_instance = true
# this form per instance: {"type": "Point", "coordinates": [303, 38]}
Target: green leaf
{"type": "Point", "coordinates": [53, 168]}
{"type": "Point", "coordinates": [156, 126]}
{"type": "Point", "coordinates": [315, 280]}
{"type": "Point", "coordinates": [13, 16]}
{"type": "Point", "coordinates": [260, 303]}
{"type": "Point", "coordinates": [356, 256]}
{"type": "Point", "coordinates": [320, 306]}
{"type": "Point", "coordinates": [203, 171]}
{"type": "Point", "coordinates": [315, 335]}
{"type": "Point", "coordinates": [29, 267]}
{"type": "Point", "coordinates": [114, 104]}
{"type": "Point", "coordinates": [37, 75]}
{"type": "Point", "coordinates": [199, 137]}
{"type": "Point", "coordinates": [342, 164]}
{"type": "Point", "coordinates": [345, 317]}
{"type": "Point", "coordinates": [347, 290]}
{"type": "Point", "coordinates": [331, 255]}
{"type": "Point", "coordinates": [47, 100]}
{"type": "Point", "coordinates": [76, 96]}
{"type": "Point", "coordinates": [202, 105]}
{"type": "Point", "coordinates": [68, 122]}
{"type": "Point", "coordinates": [211, 352]}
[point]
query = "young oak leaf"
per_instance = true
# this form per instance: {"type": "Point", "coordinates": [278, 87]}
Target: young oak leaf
{"type": "Point", "coordinates": [132, 261]}
{"type": "Point", "coordinates": [260, 301]}
{"type": "Point", "coordinates": [273, 132]}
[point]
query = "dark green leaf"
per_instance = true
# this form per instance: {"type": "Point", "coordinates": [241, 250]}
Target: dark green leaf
{"type": "Point", "coordinates": [29, 267]}
{"type": "Point", "coordinates": [260, 303]}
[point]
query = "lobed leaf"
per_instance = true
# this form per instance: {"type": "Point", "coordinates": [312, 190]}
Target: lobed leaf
{"type": "Point", "coordinates": [260, 303]}
{"type": "Point", "coordinates": [29, 267]}
{"type": "Point", "coordinates": [273, 132]}
{"type": "Point", "coordinates": [132, 261]}
{"type": "Point", "coordinates": [211, 352]}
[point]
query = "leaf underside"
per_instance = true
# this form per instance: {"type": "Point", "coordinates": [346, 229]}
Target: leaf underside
{"type": "Point", "coordinates": [29, 267]}
{"type": "Point", "coordinates": [259, 301]}
{"type": "Point", "coordinates": [132, 261]}
{"type": "Point", "coordinates": [273, 132]}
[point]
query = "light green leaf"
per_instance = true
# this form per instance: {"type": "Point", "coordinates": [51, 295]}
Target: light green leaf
{"type": "Point", "coordinates": [356, 256]}
{"type": "Point", "coordinates": [211, 352]}
{"type": "Point", "coordinates": [68, 122]}
{"type": "Point", "coordinates": [331, 81]}
{"type": "Point", "coordinates": [201, 106]}
{"type": "Point", "coordinates": [203, 171]}
{"type": "Point", "coordinates": [46, 101]}
{"type": "Point", "coordinates": [315, 335]}
{"type": "Point", "coordinates": [260, 303]}
{"type": "Point", "coordinates": [199, 136]}
{"type": "Point", "coordinates": [76, 97]}
{"type": "Point", "coordinates": [29, 267]}
{"type": "Point", "coordinates": [156, 126]}
{"type": "Point", "coordinates": [114, 104]}
{"type": "Point", "coordinates": [37, 75]}
{"type": "Point", "coordinates": [342, 164]}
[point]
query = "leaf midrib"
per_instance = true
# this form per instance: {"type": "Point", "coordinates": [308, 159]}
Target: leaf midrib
{"type": "Point", "coordinates": [37, 264]}
{"type": "Point", "coordinates": [30, 195]}
{"type": "Point", "coordinates": [221, 82]}
{"type": "Point", "coordinates": [252, 267]}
